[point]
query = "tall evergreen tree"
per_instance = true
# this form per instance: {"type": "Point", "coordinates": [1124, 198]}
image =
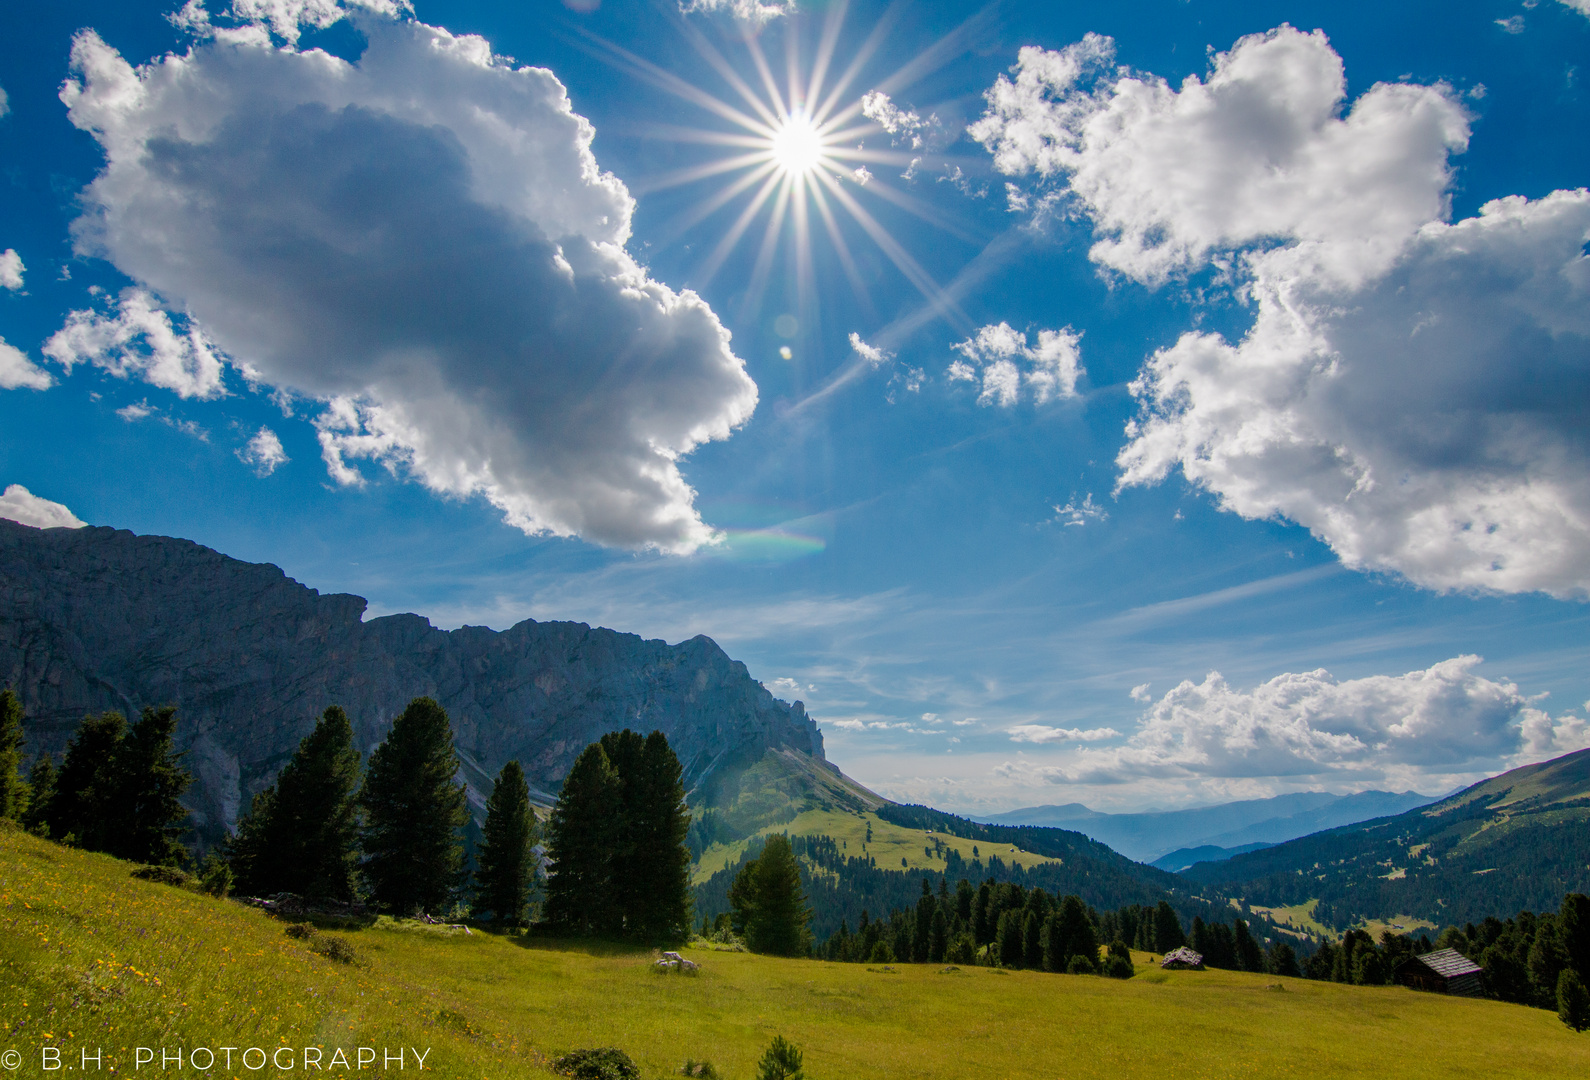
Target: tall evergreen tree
{"type": "Point", "coordinates": [659, 860]}
{"type": "Point", "coordinates": [143, 814]}
{"type": "Point", "coordinates": [414, 807]}
{"type": "Point", "coordinates": [627, 889]}
{"type": "Point", "coordinates": [922, 928]}
{"type": "Point", "coordinates": [83, 788]}
{"type": "Point", "coordinates": [301, 834]}
{"type": "Point", "coordinates": [779, 917]}
{"type": "Point", "coordinates": [1167, 928]}
{"type": "Point", "coordinates": [1574, 923]}
{"type": "Point", "coordinates": [13, 789]}
{"type": "Point", "coordinates": [581, 837]}
{"type": "Point", "coordinates": [1249, 956]}
{"type": "Point", "coordinates": [41, 784]}
{"type": "Point", "coordinates": [1008, 941]}
{"type": "Point", "coordinates": [506, 864]}
{"type": "Point", "coordinates": [1573, 1002]}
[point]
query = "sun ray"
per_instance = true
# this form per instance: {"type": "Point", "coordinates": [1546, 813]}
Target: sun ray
{"type": "Point", "coordinates": [689, 175]}
{"type": "Point", "coordinates": [825, 49]}
{"type": "Point", "coordinates": [764, 257]}
{"type": "Point", "coordinates": [683, 223]}
{"type": "Point", "coordinates": [863, 54]}
{"type": "Point", "coordinates": [842, 249]}
{"type": "Point", "coordinates": [732, 237]}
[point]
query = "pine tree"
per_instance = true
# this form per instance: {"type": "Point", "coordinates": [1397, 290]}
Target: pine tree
{"type": "Point", "coordinates": [1009, 942]}
{"type": "Point", "coordinates": [142, 811]}
{"type": "Point", "coordinates": [1282, 960]}
{"type": "Point", "coordinates": [78, 809]}
{"type": "Point", "coordinates": [1167, 929]}
{"type": "Point", "coordinates": [13, 789]}
{"type": "Point", "coordinates": [659, 861]}
{"type": "Point", "coordinates": [628, 890]}
{"type": "Point", "coordinates": [1249, 956]}
{"type": "Point", "coordinates": [779, 918]}
{"type": "Point", "coordinates": [782, 1061]}
{"type": "Point", "coordinates": [414, 808]}
{"type": "Point", "coordinates": [922, 930]}
{"type": "Point", "coordinates": [41, 782]}
{"type": "Point", "coordinates": [581, 837]}
{"type": "Point", "coordinates": [301, 835]}
{"type": "Point", "coordinates": [506, 863]}
{"type": "Point", "coordinates": [1574, 922]}
{"type": "Point", "coordinates": [1573, 1002]}
{"type": "Point", "coordinates": [938, 937]}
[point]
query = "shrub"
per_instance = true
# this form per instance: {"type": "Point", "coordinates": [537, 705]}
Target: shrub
{"type": "Point", "coordinates": [301, 931]}
{"type": "Point", "coordinates": [215, 876]}
{"type": "Point", "coordinates": [1081, 965]}
{"type": "Point", "coordinates": [602, 1063]}
{"type": "Point", "coordinates": [163, 875]}
{"type": "Point", "coordinates": [781, 1062]}
{"type": "Point", "coordinates": [705, 1070]}
{"type": "Point", "coordinates": [881, 954]}
{"type": "Point", "coordinates": [963, 950]}
{"type": "Point", "coordinates": [1119, 967]}
{"type": "Point", "coordinates": [334, 949]}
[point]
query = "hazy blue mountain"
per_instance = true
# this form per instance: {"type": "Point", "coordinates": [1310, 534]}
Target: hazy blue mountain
{"type": "Point", "coordinates": [1182, 858]}
{"type": "Point", "coordinates": [1147, 837]}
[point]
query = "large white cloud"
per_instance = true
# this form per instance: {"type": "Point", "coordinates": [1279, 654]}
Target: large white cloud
{"type": "Point", "coordinates": [17, 371]}
{"type": "Point", "coordinates": [1446, 719]}
{"type": "Point", "coordinates": [19, 504]}
{"type": "Point", "coordinates": [1409, 389]}
{"type": "Point", "coordinates": [424, 241]}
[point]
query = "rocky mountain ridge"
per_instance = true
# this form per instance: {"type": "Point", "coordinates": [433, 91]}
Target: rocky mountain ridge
{"type": "Point", "coordinates": [99, 618]}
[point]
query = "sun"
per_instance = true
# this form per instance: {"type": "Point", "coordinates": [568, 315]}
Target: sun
{"type": "Point", "coordinates": [794, 157]}
{"type": "Point", "coordinates": [797, 146]}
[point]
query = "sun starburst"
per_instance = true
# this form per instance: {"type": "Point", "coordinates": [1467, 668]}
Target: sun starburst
{"type": "Point", "coordinates": [792, 153]}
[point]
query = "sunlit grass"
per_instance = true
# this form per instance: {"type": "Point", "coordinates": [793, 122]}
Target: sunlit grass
{"type": "Point", "coordinates": [89, 956]}
{"type": "Point", "coordinates": [889, 844]}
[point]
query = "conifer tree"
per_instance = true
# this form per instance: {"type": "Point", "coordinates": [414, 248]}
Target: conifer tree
{"type": "Point", "coordinates": [779, 919]}
{"type": "Point", "coordinates": [301, 834]}
{"type": "Point", "coordinates": [581, 837]}
{"type": "Point", "coordinates": [922, 930]}
{"type": "Point", "coordinates": [627, 889]}
{"type": "Point", "coordinates": [414, 807]}
{"type": "Point", "coordinates": [1249, 956]}
{"type": "Point", "coordinates": [78, 809]}
{"type": "Point", "coordinates": [1167, 928]}
{"type": "Point", "coordinates": [13, 789]}
{"type": "Point", "coordinates": [1573, 1001]}
{"type": "Point", "coordinates": [41, 782]}
{"type": "Point", "coordinates": [1009, 939]}
{"type": "Point", "coordinates": [142, 812]}
{"type": "Point", "coordinates": [659, 861]}
{"type": "Point", "coordinates": [1574, 923]}
{"type": "Point", "coordinates": [506, 863]}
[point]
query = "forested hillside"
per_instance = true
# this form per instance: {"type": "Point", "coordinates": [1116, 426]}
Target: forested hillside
{"type": "Point", "coordinates": [1515, 842]}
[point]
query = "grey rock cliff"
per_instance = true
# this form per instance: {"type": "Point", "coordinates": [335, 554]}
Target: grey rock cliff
{"type": "Point", "coordinates": [97, 618]}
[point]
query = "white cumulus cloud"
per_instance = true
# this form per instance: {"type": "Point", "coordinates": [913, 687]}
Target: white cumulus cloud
{"type": "Point", "coordinates": [1409, 388]}
{"type": "Point", "coordinates": [263, 453]}
{"type": "Point", "coordinates": [1140, 693]}
{"type": "Point", "coordinates": [1445, 719]}
{"type": "Point", "coordinates": [1261, 150]}
{"type": "Point", "coordinates": [999, 360]}
{"type": "Point", "coordinates": [423, 242]}
{"type": "Point", "coordinates": [21, 505]}
{"type": "Point", "coordinates": [1039, 733]}
{"type": "Point", "coordinates": [18, 372]}
{"type": "Point", "coordinates": [1427, 423]}
{"type": "Point", "coordinates": [755, 12]}
{"type": "Point", "coordinates": [139, 341]}
{"type": "Point", "coordinates": [10, 268]}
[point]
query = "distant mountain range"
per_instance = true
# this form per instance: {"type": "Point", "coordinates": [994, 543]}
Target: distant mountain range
{"type": "Point", "coordinates": [1518, 841]}
{"type": "Point", "coordinates": [1235, 825]}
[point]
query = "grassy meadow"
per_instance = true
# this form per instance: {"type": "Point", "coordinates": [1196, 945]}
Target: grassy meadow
{"type": "Point", "coordinates": [890, 843]}
{"type": "Point", "coordinates": [91, 957]}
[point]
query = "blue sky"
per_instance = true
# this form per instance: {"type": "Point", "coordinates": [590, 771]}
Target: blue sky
{"type": "Point", "coordinates": [1175, 339]}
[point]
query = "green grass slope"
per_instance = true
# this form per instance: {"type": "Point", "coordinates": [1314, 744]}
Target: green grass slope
{"type": "Point", "coordinates": [1518, 841]}
{"type": "Point", "coordinates": [91, 957]}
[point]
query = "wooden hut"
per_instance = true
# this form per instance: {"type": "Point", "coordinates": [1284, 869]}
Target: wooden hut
{"type": "Point", "coordinates": [1445, 971]}
{"type": "Point", "coordinates": [1183, 958]}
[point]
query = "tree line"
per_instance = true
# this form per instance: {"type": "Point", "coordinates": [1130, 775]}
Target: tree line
{"type": "Point", "coordinates": [388, 833]}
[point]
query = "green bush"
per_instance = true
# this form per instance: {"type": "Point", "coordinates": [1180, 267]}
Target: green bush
{"type": "Point", "coordinates": [301, 931]}
{"type": "Point", "coordinates": [1081, 965]}
{"type": "Point", "coordinates": [1119, 967]}
{"type": "Point", "coordinates": [162, 875]}
{"type": "Point", "coordinates": [881, 954]}
{"type": "Point", "coordinates": [704, 1070]}
{"type": "Point", "coordinates": [602, 1063]}
{"type": "Point", "coordinates": [781, 1062]}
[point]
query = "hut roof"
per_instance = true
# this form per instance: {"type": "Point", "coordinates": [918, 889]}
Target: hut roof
{"type": "Point", "coordinates": [1183, 955]}
{"type": "Point", "coordinates": [1449, 963]}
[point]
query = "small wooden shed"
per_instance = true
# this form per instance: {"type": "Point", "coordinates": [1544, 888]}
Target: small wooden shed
{"type": "Point", "coordinates": [1445, 971]}
{"type": "Point", "coordinates": [1183, 958]}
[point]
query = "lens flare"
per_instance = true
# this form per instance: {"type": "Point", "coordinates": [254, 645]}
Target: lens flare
{"type": "Point", "coordinates": [797, 146]}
